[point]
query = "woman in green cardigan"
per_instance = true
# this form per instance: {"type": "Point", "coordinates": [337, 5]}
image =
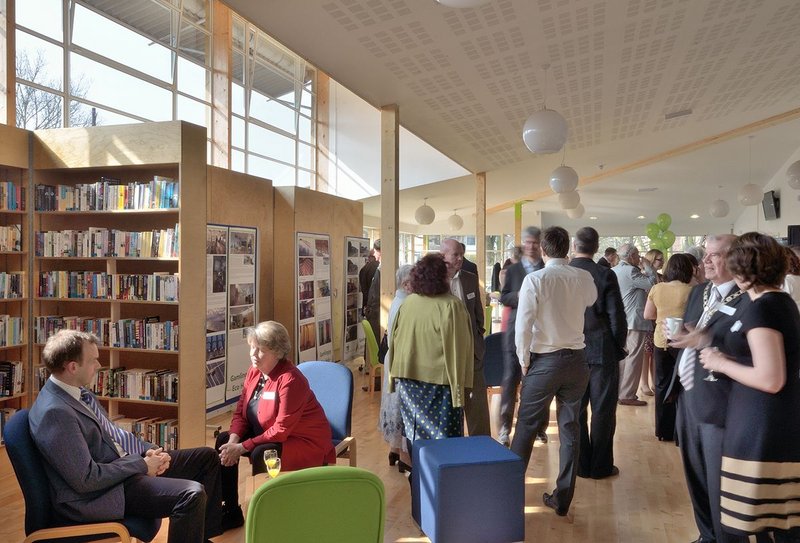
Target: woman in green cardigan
{"type": "Point", "coordinates": [432, 356]}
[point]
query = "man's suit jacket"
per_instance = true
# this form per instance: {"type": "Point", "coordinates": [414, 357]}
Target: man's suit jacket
{"type": "Point", "coordinates": [86, 474]}
{"type": "Point", "coordinates": [509, 297]}
{"type": "Point", "coordinates": [603, 262]}
{"type": "Point", "coordinates": [634, 286]}
{"type": "Point", "coordinates": [473, 300]}
{"type": "Point", "coordinates": [604, 325]}
{"type": "Point", "coordinates": [470, 266]}
{"type": "Point", "coordinates": [708, 399]}
{"type": "Point", "coordinates": [372, 308]}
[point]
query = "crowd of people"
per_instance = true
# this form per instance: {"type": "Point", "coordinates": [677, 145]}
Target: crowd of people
{"type": "Point", "coordinates": [724, 331]}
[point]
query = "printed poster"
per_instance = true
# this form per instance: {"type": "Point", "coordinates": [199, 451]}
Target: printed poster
{"type": "Point", "coordinates": [356, 251]}
{"type": "Point", "coordinates": [314, 317]}
{"type": "Point", "coordinates": [232, 293]}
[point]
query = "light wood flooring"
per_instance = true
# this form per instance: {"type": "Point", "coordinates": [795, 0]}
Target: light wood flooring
{"type": "Point", "coordinates": [648, 501]}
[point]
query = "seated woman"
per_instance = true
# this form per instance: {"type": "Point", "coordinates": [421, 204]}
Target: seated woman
{"type": "Point", "coordinates": [277, 410]}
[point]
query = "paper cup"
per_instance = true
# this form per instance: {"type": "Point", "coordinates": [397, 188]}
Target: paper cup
{"type": "Point", "coordinates": [674, 325]}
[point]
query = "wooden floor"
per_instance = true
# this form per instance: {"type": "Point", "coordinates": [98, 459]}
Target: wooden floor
{"type": "Point", "coordinates": [648, 501]}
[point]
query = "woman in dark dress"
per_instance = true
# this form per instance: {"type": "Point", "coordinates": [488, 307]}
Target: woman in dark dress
{"type": "Point", "coordinates": [761, 354]}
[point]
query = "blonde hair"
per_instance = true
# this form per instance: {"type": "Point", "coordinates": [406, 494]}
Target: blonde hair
{"type": "Point", "coordinates": [272, 336]}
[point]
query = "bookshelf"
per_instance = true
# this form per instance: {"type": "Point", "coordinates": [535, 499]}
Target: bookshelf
{"type": "Point", "coordinates": [91, 263]}
{"type": "Point", "coordinates": [14, 270]}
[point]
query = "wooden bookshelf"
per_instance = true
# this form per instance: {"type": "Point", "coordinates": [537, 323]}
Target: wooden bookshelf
{"type": "Point", "coordinates": [14, 169]}
{"type": "Point", "coordinates": [134, 153]}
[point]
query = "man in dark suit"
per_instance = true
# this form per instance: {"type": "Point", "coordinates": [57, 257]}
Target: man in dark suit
{"type": "Point", "coordinates": [468, 265]}
{"type": "Point", "coordinates": [465, 286]}
{"type": "Point", "coordinates": [372, 302]}
{"type": "Point", "coordinates": [609, 258]}
{"type": "Point", "coordinates": [530, 262]}
{"type": "Point", "coordinates": [604, 330]}
{"type": "Point", "coordinates": [98, 472]}
{"type": "Point", "coordinates": [700, 424]}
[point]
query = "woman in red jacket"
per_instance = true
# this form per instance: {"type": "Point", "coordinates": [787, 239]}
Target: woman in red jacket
{"type": "Point", "coordinates": [277, 410]}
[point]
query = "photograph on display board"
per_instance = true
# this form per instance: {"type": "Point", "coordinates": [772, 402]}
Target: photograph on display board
{"type": "Point", "coordinates": [305, 290]}
{"type": "Point", "coordinates": [305, 267]}
{"type": "Point", "coordinates": [357, 251]}
{"type": "Point", "coordinates": [323, 289]}
{"type": "Point", "coordinates": [215, 346]}
{"type": "Point", "coordinates": [352, 285]}
{"type": "Point", "coordinates": [353, 248]}
{"type": "Point", "coordinates": [321, 246]}
{"type": "Point", "coordinates": [363, 248]}
{"type": "Point", "coordinates": [305, 247]}
{"type": "Point", "coordinates": [352, 317]}
{"type": "Point", "coordinates": [215, 373]}
{"type": "Point", "coordinates": [352, 301]}
{"type": "Point", "coordinates": [242, 317]}
{"type": "Point", "coordinates": [219, 274]}
{"type": "Point", "coordinates": [324, 332]}
{"type": "Point", "coordinates": [242, 294]}
{"type": "Point", "coordinates": [307, 310]}
{"type": "Point", "coordinates": [351, 334]}
{"type": "Point", "coordinates": [353, 268]}
{"type": "Point", "coordinates": [216, 240]}
{"type": "Point", "coordinates": [215, 320]}
{"type": "Point", "coordinates": [308, 337]}
{"type": "Point", "coordinates": [242, 242]}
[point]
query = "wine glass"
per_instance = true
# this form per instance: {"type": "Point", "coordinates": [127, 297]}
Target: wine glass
{"type": "Point", "coordinates": [273, 467]}
{"type": "Point", "coordinates": [711, 377]}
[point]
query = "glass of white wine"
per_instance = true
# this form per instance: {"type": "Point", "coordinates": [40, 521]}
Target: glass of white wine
{"type": "Point", "coordinates": [273, 463]}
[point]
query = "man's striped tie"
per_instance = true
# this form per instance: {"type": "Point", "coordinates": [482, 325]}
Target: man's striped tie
{"type": "Point", "coordinates": [129, 442]}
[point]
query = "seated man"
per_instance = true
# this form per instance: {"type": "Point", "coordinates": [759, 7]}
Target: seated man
{"type": "Point", "coordinates": [99, 472]}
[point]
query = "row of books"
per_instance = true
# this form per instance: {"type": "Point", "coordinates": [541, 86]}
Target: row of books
{"type": "Point", "coordinates": [108, 195]}
{"type": "Point", "coordinates": [136, 384]}
{"type": "Point", "coordinates": [12, 284]}
{"type": "Point", "coordinates": [11, 238]}
{"type": "Point", "coordinates": [5, 414]}
{"type": "Point", "coordinates": [102, 242]}
{"type": "Point", "coordinates": [158, 431]}
{"type": "Point", "coordinates": [146, 333]}
{"type": "Point", "coordinates": [157, 287]}
{"type": "Point", "coordinates": [12, 378]}
{"type": "Point", "coordinates": [11, 331]}
{"type": "Point", "coordinates": [12, 197]}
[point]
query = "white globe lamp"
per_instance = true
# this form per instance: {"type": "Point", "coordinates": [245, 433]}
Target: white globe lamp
{"type": "Point", "coordinates": [577, 212]}
{"type": "Point", "coordinates": [793, 175]}
{"type": "Point", "coordinates": [569, 200]}
{"type": "Point", "coordinates": [424, 214]}
{"type": "Point", "coordinates": [719, 209]}
{"type": "Point", "coordinates": [750, 195]}
{"type": "Point", "coordinates": [455, 221]}
{"type": "Point", "coordinates": [563, 179]}
{"type": "Point", "coordinates": [545, 132]}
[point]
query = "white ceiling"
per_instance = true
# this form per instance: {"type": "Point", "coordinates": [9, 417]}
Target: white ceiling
{"type": "Point", "coordinates": [465, 80]}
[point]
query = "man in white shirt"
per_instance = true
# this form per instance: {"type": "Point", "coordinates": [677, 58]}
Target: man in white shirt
{"type": "Point", "coordinates": [550, 347]}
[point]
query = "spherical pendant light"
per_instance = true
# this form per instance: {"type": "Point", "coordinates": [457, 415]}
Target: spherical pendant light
{"type": "Point", "coordinates": [563, 179]}
{"type": "Point", "coordinates": [719, 209]}
{"type": "Point", "coordinates": [455, 221]}
{"type": "Point", "coordinates": [569, 200]}
{"type": "Point", "coordinates": [793, 175]}
{"type": "Point", "coordinates": [577, 212]}
{"type": "Point", "coordinates": [545, 132]}
{"type": "Point", "coordinates": [424, 213]}
{"type": "Point", "coordinates": [750, 195]}
{"type": "Point", "coordinates": [463, 3]}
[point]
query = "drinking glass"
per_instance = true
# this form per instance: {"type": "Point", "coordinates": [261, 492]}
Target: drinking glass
{"type": "Point", "coordinates": [273, 467]}
{"type": "Point", "coordinates": [711, 377]}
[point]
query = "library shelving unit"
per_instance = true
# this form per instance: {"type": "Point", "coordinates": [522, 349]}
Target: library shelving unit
{"type": "Point", "coordinates": [14, 266]}
{"type": "Point", "coordinates": [98, 213]}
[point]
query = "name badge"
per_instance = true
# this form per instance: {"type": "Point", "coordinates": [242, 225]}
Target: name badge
{"type": "Point", "coordinates": [736, 326]}
{"type": "Point", "coordinates": [728, 310]}
{"type": "Point", "coordinates": [268, 395]}
{"type": "Point", "coordinates": [470, 295]}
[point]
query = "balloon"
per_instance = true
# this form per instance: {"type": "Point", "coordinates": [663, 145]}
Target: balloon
{"type": "Point", "coordinates": [652, 230]}
{"type": "Point", "coordinates": [657, 244]}
{"type": "Point", "coordinates": [654, 239]}
{"type": "Point", "coordinates": [663, 221]}
{"type": "Point", "coordinates": [668, 238]}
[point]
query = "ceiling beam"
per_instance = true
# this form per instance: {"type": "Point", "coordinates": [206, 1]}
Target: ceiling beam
{"type": "Point", "coordinates": [654, 159]}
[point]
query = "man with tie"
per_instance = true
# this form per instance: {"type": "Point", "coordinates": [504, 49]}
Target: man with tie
{"type": "Point", "coordinates": [100, 472]}
{"type": "Point", "coordinates": [700, 423]}
{"type": "Point", "coordinates": [465, 286]}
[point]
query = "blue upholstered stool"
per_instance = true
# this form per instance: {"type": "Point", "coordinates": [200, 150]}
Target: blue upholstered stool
{"type": "Point", "coordinates": [468, 489]}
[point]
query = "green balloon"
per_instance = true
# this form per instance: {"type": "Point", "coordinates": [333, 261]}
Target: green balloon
{"type": "Point", "coordinates": [663, 221]}
{"type": "Point", "coordinates": [668, 238]}
{"type": "Point", "coordinates": [657, 244]}
{"type": "Point", "coordinates": [654, 239]}
{"type": "Point", "coordinates": [652, 230]}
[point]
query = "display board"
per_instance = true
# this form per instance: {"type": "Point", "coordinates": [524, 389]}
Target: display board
{"type": "Point", "coordinates": [314, 318]}
{"type": "Point", "coordinates": [356, 251]}
{"type": "Point", "coordinates": [231, 253]}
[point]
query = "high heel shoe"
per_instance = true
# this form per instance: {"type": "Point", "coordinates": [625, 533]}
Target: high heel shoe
{"type": "Point", "coordinates": [394, 458]}
{"type": "Point", "coordinates": [402, 467]}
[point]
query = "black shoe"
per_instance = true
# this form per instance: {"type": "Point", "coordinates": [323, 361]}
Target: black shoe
{"type": "Point", "coordinates": [232, 518]}
{"type": "Point", "coordinates": [393, 458]}
{"type": "Point", "coordinates": [542, 436]}
{"type": "Point", "coordinates": [614, 472]}
{"type": "Point", "coordinates": [550, 502]}
{"type": "Point", "coordinates": [402, 467]}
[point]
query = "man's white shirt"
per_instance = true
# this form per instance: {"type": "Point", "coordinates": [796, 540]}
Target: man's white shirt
{"type": "Point", "coordinates": [552, 302]}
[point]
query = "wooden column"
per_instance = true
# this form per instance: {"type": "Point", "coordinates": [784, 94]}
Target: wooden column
{"type": "Point", "coordinates": [8, 73]}
{"type": "Point", "coordinates": [221, 62]}
{"type": "Point", "coordinates": [518, 223]}
{"type": "Point", "coordinates": [480, 227]}
{"type": "Point", "coordinates": [323, 183]}
{"type": "Point", "coordinates": [390, 197]}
